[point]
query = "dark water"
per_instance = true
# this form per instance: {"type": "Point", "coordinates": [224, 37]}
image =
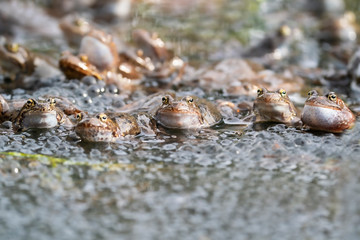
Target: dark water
{"type": "Point", "coordinates": [227, 182]}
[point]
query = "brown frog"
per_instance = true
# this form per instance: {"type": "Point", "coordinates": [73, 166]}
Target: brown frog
{"type": "Point", "coordinates": [236, 76]}
{"type": "Point", "coordinates": [187, 113]}
{"type": "Point", "coordinates": [274, 106]}
{"type": "Point", "coordinates": [338, 29]}
{"type": "Point", "coordinates": [23, 68]}
{"type": "Point", "coordinates": [153, 48]}
{"type": "Point", "coordinates": [15, 59]}
{"type": "Point", "coordinates": [4, 107]}
{"type": "Point", "coordinates": [39, 114]}
{"type": "Point", "coordinates": [75, 28]}
{"type": "Point", "coordinates": [327, 113]}
{"type": "Point", "coordinates": [149, 104]}
{"type": "Point", "coordinates": [151, 45]}
{"type": "Point", "coordinates": [10, 109]}
{"type": "Point", "coordinates": [66, 105]}
{"type": "Point", "coordinates": [100, 50]}
{"type": "Point", "coordinates": [131, 64]}
{"type": "Point", "coordinates": [106, 127]}
{"type": "Point", "coordinates": [137, 59]}
{"type": "Point", "coordinates": [75, 67]}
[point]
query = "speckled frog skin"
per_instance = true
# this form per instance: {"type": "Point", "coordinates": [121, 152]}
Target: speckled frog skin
{"type": "Point", "coordinates": [274, 106]}
{"type": "Point", "coordinates": [327, 113]}
{"type": "Point", "coordinates": [187, 113]}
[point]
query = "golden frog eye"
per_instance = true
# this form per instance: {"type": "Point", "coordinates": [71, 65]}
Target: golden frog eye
{"type": "Point", "coordinates": [79, 116]}
{"type": "Point", "coordinates": [285, 31]}
{"type": "Point", "coordinates": [30, 102]}
{"type": "Point", "coordinates": [260, 91]}
{"type": "Point", "coordinates": [102, 117]}
{"type": "Point", "coordinates": [84, 58]}
{"type": "Point", "coordinates": [189, 99]}
{"type": "Point", "coordinates": [79, 22]}
{"type": "Point", "coordinates": [332, 96]}
{"type": "Point", "coordinates": [282, 92]}
{"type": "Point", "coordinates": [12, 47]}
{"type": "Point", "coordinates": [140, 53]}
{"type": "Point", "coordinates": [312, 93]}
{"type": "Point", "coordinates": [165, 100]}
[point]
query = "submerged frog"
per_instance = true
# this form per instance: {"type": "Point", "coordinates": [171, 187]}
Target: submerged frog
{"type": "Point", "coordinates": [106, 127]}
{"type": "Point", "coordinates": [187, 113]}
{"type": "Point", "coordinates": [75, 67]}
{"type": "Point", "coordinates": [274, 106]}
{"type": "Point", "coordinates": [39, 114]}
{"type": "Point", "coordinates": [327, 113]}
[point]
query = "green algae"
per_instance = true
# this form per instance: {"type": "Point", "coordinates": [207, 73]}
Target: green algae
{"type": "Point", "coordinates": [54, 161]}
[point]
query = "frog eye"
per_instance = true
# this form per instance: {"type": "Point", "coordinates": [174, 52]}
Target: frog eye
{"type": "Point", "coordinates": [52, 101]}
{"type": "Point", "coordinates": [79, 116]}
{"type": "Point", "coordinates": [332, 96]}
{"type": "Point", "coordinates": [102, 117]}
{"type": "Point", "coordinates": [84, 58]}
{"type": "Point", "coordinates": [189, 99]}
{"type": "Point", "coordinates": [260, 91]}
{"type": "Point", "coordinates": [140, 53]}
{"type": "Point", "coordinates": [282, 92]}
{"type": "Point", "coordinates": [285, 31]}
{"type": "Point", "coordinates": [12, 47]}
{"type": "Point", "coordinates": [30, 102]}
{"type": "Point", "coordinates": [79, 22]}
{"type": "Point", "coordinates": [165, 100]}
{"type": "Point", "coordinates": [312, 93]}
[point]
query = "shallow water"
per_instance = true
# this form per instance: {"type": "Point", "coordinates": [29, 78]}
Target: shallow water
{"type": "Point", "coordinates": [227, 182]}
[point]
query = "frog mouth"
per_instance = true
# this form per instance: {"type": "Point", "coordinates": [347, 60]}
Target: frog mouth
{"type": "Point", "coordinates": [40, 120]}
{"type": "Point", "coordinates": [279, 107]}
{"type": "Point", "coordinates": [179, 119]}
{"type": "Point", "coordinates": [321, 105]}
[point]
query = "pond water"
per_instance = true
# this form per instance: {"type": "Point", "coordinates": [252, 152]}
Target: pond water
{"type": "Point", "coordinates": [225, 182]}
